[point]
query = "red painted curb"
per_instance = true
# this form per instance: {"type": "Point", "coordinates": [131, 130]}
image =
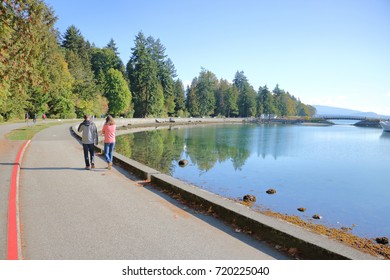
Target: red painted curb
{"type": "Point", "coordinates": [13, 208]}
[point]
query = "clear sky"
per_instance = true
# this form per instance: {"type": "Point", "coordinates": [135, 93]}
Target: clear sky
{"type": "Point", "coordinates": [325, 52]}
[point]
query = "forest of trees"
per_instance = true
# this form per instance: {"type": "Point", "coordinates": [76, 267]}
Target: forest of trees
{"type": "Point", "coordinates": [66, 76]}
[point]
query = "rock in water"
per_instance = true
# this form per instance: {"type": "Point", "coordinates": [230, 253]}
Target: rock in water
{"type": "Point", "coordinates": [183, 162]}
{"type": "Point", "coordinates": [382, 240]}
{"type": "Point", "coordinates": [271, 191]}
{"type": "Point", "coordinates": [346, 228]}
{"type": "Point", "coordinates": [249, 198]}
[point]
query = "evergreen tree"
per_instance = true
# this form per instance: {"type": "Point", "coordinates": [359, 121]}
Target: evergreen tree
{"type": "Point", "coordinates": [221, 95]}
{"type": "Point", "coordinates": [192, 101]}
{"type": "Point", "coordinates": [281, 104]}
{"type": "Point", "coordinates": [101, 61]}
{"type": "Point", "coordinates": [72, 39]}
{"type": "Point", "coordinates": [247, 96]}
{"type": "Point", "coordinates": [267, 99]}
{"type": "Point", "coordinates": [232, 102]}
{"type": "Point", "coordinates": [240, 81]}
{"type": "Point", "coordinates": [112, 46]}
{"type": "Point", "coordinates": [151, 76]}
{"type": "Point", "coordinates": [168, 86]}
{"type": "Point", "coordinates": [166, 72]}
{"type": "Point", "coordinates": [259, 103]}
{"type": "Point", "coordinates": [78, 53]}
{"type": "Point", "coordinates": [119, 63]}
{"type": "Point", "coordinates": [205, 92]}
{"type": "Point", "coordinates": [143, 75]}
{"type": "Point", "coordinates": [157, 102]}
{"type": "Point", "coordinates": [280, 107]}
{"type": "Point", "coordinates": [180, 106]}
{"type": "Point", "coordinates": [278, 91]}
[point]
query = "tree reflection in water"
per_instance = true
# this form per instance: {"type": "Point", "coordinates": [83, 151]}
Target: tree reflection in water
{"type": "Point", "coordinates": [202, 146]}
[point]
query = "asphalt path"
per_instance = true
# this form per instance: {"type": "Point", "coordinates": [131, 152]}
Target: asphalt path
{"type": "Point", "coordinates": [70, 213]}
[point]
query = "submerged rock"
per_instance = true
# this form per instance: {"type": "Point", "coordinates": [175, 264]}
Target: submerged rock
{"type": "Point", "coordinates": [183, 162]}
{"type": "Point", "coordinates": [382, 240]}
{"type": "Point", "coordinates": [346, 228]}
{"type": "Point", "coordinates": [271, 191]}
{"type": "Point", "coordinates": [249, 198]}
{"type": "Point", "coordinates": [316, 216]}
{"type": "Point", "coordinates": [302, 209]}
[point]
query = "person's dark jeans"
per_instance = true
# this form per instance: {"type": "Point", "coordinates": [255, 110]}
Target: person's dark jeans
{"type": "Point", "coordinates": [89, 154]}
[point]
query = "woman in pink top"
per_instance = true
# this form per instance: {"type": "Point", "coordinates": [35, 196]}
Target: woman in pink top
{"type": "Point", "coordinates": [109, 139]}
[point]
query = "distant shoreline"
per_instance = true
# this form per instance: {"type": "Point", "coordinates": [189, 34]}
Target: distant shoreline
{"type": "Point", "coordinates": [373, 123]}
{"type": "Point", "coordinates": [136, 125]}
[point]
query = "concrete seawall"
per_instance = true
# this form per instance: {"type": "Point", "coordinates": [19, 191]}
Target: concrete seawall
{"type": "Point", "coordinates": [310, 245]}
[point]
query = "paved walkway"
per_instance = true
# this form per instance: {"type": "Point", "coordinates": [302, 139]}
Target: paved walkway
{"type": "Point", "coordinates": [71, 213]}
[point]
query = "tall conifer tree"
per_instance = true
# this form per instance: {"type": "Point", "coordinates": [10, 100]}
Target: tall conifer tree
{"type": "Point", "coordinates": [143, 75]}
{"type": "Point", "coordinates": [180, 106]}
{"type": "Point", "coordinates": [78, 55]}
{"type": "Point", "coordinates": [205, 92]}
{"type": "Point", "coordinates": [246, 97]}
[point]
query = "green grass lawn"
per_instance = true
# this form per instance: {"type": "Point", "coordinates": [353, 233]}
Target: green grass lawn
{"type": "Point", "coordinates": [28, 132]}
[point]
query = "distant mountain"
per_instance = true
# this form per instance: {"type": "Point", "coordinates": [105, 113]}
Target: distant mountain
{"type": "Point", "coordinates": [328, 110]}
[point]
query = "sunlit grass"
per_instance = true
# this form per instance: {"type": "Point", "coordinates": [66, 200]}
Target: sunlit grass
{"type": "Point", "coordinates": [28, 132]}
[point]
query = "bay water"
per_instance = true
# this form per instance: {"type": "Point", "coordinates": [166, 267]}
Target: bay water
{"type": "Point", "coordinates": [339, 172]}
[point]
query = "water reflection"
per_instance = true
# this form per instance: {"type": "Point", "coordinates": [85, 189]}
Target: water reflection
{"type": "Point", "coordinates": [206, 146]}
{"type": "Point", "coordinates": [274, 140]}
{"type": "Point", "coordinates": [203, 146]}
{"type": "Point", "coordinates": [156, 148]}
{"type": "Point", "coordinates": [385, 136]}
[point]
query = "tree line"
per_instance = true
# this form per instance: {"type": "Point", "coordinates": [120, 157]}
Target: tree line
{"type": "Point", "coordinates": [65, 76]}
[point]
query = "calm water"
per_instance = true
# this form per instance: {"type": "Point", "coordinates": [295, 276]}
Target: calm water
{"type": "Point", "coordinates": [340, 172]}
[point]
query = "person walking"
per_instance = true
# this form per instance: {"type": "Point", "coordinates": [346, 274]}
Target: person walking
{"type": "Point", "coordinates": [109, 140]}
{"type": "Point", "coordinates": [26, 118]}
{"type": "Point", "coordinates": [89, 138]}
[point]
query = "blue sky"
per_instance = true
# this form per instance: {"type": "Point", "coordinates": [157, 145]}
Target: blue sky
{"type": "Point", "coordinates": [333, 52]}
